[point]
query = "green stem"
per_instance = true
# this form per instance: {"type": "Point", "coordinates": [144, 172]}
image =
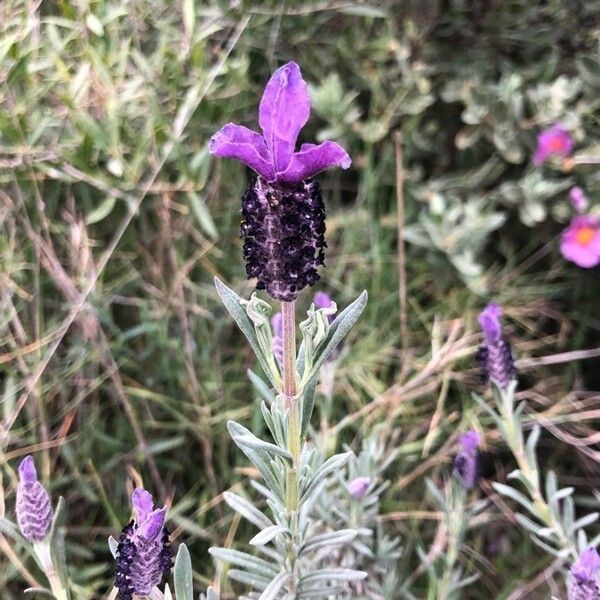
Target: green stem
{"type": "Point", "coordinates": [42, 550]}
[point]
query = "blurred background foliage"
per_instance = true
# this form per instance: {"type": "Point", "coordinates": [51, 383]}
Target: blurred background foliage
{"type": "Point", "coordinates": [118, 364]}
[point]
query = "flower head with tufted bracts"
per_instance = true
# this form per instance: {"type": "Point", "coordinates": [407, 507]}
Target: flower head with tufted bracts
{"type": "Point", "coordinates": [283, 215]}
{"type": "Point", "coordinates": [34, 510]}
{"type": "Point", "coordinates": [555, 141]}
{"type": "Point", "coordinates": [466, 463]}
{"type": "Point", "coordinates": [495, 355]}
{"type": "Point", "coordinates": [584, 583]}
{"type": "Point", "coordinates": [144, 555]}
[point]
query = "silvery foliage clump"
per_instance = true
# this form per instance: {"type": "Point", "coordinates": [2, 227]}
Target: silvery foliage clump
{"type": "Point", "coordinates": [342, 504]}
{"type": "Point", "coordinates": [292, 549]}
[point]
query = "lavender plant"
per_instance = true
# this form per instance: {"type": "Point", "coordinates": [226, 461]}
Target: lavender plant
{"type": "Point", "coordinates": [548, 511]}
{"type": "Point", "coordinates": [283, 228]}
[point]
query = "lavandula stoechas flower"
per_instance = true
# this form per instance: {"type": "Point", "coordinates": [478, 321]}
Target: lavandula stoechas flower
{"type": "Point", "coordinates": [466, 463]}
{"type": "Point", "coordinates": [34, 510]}
{"type": "Point", "coordinates": [580, 241]}
{"type": "Point", "coordinates": [144, 555]}
{"type": "Point", "coordinates": [495, 355]}
{"type": "Point", "coordinates": [555, 141]}
{"type": "Point", "coordinates": [283, 215]}
{"type": "Point", "coordinates": [584, 583]}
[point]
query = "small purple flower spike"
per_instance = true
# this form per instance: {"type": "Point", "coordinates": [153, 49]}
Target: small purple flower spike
{"type": "Point", "coordinates": [283, 112]}
{"type": "Point", "coordinates": [466, 463]}
{"type": "Point", "coordinates": [144, 555]}
{"type": "Point", "coordinates": [283, 214]}
{"type": "Point", "coordinates": [277, 344]}
{"type": "Point", "coordinates": [580, 241]}
{"type": "Point", "coordinates": [584, 583]}
{"type": "Point", "coordinates": [556, 141]}
{"type": "Point", "coordinates": [34, 510]}
{"type": "Point", "coordinates": [495, 355]}
{"type": "Point", "coordinates": [578, 199]}
{"type": "Point", "coordinates": [358, 487]}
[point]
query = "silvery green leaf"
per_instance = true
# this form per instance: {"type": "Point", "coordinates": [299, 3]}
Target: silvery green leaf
{"type": "Point", "coordinates": [334, 463]}
{"type": "Point", "coordinates": [261, 387]}
{"type": "Point", "coordinates": [532, 442]}
{"type": "Point", "coordinates": [232, 303]}
{"type": "Point", "coordinates": [321, 594]}
{"type": "Point", "coordinates": [211, 594]}
{"type": "Point", "coordinates": [259, 582]}
{"type": "Point", "coordinates": [247, 510]}
{"type": "Point", "coordinates": [113, 545]}
{"type": "Point", "coordinates": [167, 593]}
{"type": "Point", "coordinates": [562, 494]}
{"type": "Point", "coordinates": [308, 404]}
{"type": "Point", "coordinates": [535, 528]}
{"type": "Point", "coordinates": [343, 536]}
{"type": "Point", "coordinates": [337, 331]}
{"type": "Point", "coordinates": [272, 590]}
{"type": "Point", "coordinates": [267, 534]}
{"type": "Point", "coordinates": [56, 542]}
{"type": "Point", "coordinates": [328, 575]}
{"type": "Point", "coordinates": [244, 560]}
{"type": "Point", "coordinates": [10, 529]}
{"type": "Point", "coordinates": [506, 490]}
{"type": "Point", "coordinates": [40, 592]}
{"type": "Point", "coordinates": [251, 441]}
{"type": "Point", "coordinates": [182, 575]}
{"type": "Point", "coordinates": [582, 522]}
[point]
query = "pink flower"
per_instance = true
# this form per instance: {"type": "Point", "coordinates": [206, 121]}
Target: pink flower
{"type": "Point", "coordinates": [556, 141]}
{"type": "Point", "coordinates": [580, 241]}
{"type": "Point", "coordinates": [578, 199]}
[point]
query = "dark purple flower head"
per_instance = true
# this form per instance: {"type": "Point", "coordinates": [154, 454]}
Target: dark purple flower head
{"type": "Point", "coordinates": [34, 510]}
{"type": "Point", "coordinates": [144, 555]}
{"type": "Point", "coordinates": [584, 583]}
{"type": "Point", "coordinates": [555, 141]}
{"type": "Point", "coordinates": [358, 487]}
{"type": "Point", "coordinates": [466, 463]}
{"type": "Point", "coordinates": [495, 355]}
{"type": "Point", "coordinates": [283, 112]}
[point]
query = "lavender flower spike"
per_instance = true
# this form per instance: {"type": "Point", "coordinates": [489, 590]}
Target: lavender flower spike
{"type": "Point", "coordinates": [283, 215]}
{"type": "Point", "coordinates": [495, 355]}
{"type": "Point", "coordinates": [34, 510]}
{"type": "Point", "coordinates": [144, 555]}
{"type": "Point", "coordinates": [466, 463]}
{"type": "Point", "coordinates": [584, 583]}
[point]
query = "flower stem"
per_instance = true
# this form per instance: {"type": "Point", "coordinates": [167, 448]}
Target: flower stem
{"type": "Point", "coordinates": [288, 312]}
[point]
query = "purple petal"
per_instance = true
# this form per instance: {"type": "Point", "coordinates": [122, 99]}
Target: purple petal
{"type": "Point", "coordinates": [587, 566]}
{"type": "Point", "coordinates": [142, 503]}
{"type": "Point", "coordinates": [283, 112]}
{"type": "Point", "coordinates": [489, 319]}
{"type": "Point", "coordinates": [153, 524]}
{"type": "Point", "coordinates": [469, 441]}
{"type": "Point", "coordinates": [277, 324]}
{"type": "Point", "coordinates": [322, 300]}
{"type": "Point", "coordinates": [313, 159]}
{"type": "Point", "coordinates": [236, 141]}
{"type": "Point", "coordinates": [358, 487]}
{"type": "Point", "coordinates": [27, 472]}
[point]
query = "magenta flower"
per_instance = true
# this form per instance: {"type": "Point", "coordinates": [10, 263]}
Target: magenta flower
{"type": "Point", "coordinates": [578, 199]}
{"type": "Point", "coordinates": [466, 463]}
{"type": "Point", "coordinates": [556, 141]}
{"type": "Point", "coordinates": [495, 355]}
{"type": "Point", "coordinates": [580, 242]}
{"type": "Point", "coordinates": [144, 555]}
{"type": "Point", "coordinates": [283, 112]}
{"type": "Point", "coordinates": [584, 583]}
{"type": "Point", "coordinates": [34, 510]}
{"type": "Point", "coordinates": [358, 487]}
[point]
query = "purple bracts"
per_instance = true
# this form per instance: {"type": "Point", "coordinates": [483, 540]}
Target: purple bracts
{"type": "Point", "coordinates": [144, 555]}
{"type": "Point", "coordinates": [34, 510]}
{"type": "Point", "coordinates": [583, 581]}
{"type": "Point", "coordinates": [466, 463]}
{"type": "Point", "coordinates": [495, 355]}
{"type": "Point", "coordinates": [284, 236]}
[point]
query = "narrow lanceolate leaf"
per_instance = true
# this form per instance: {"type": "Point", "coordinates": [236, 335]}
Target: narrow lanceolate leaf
{"type": "Point", "coordinates": [272, 590]}
{"type": "Point", "coordinates": [344, 536]}
{"type": "Point", "coordinates": [211, 594]}
{"type": "Point", "coordinates": [56, 542]}
{"type": "Point", "coordinates": [247, 510]}
{"type": "Point", "coordinates": [168, 595]}
{"type": "Point", "coordinates": [338, 330]}
{"type": "Point", "coordinates": [232, 303]}
{"type": "Point", "coordinates": [244, 560]}
{"type": "Point", "coordinates": [251, 441]}
{"type": "Point", "coordinates": [333, 464]}
{"type": "Point", "coordinates": [113, 545]}
{"type": "Point", "coordinates": [182, 577]}
{"type": "Point", "coordinates": [510, 492]}
{"type": "Point", "coordinates": [308, 404]}
{"type": "Point", "coordinates": [327, 575]}
{"type": "Point", "coordinates": [266, 535]}
{"type": "Point", "coordinates": [254, 580]}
